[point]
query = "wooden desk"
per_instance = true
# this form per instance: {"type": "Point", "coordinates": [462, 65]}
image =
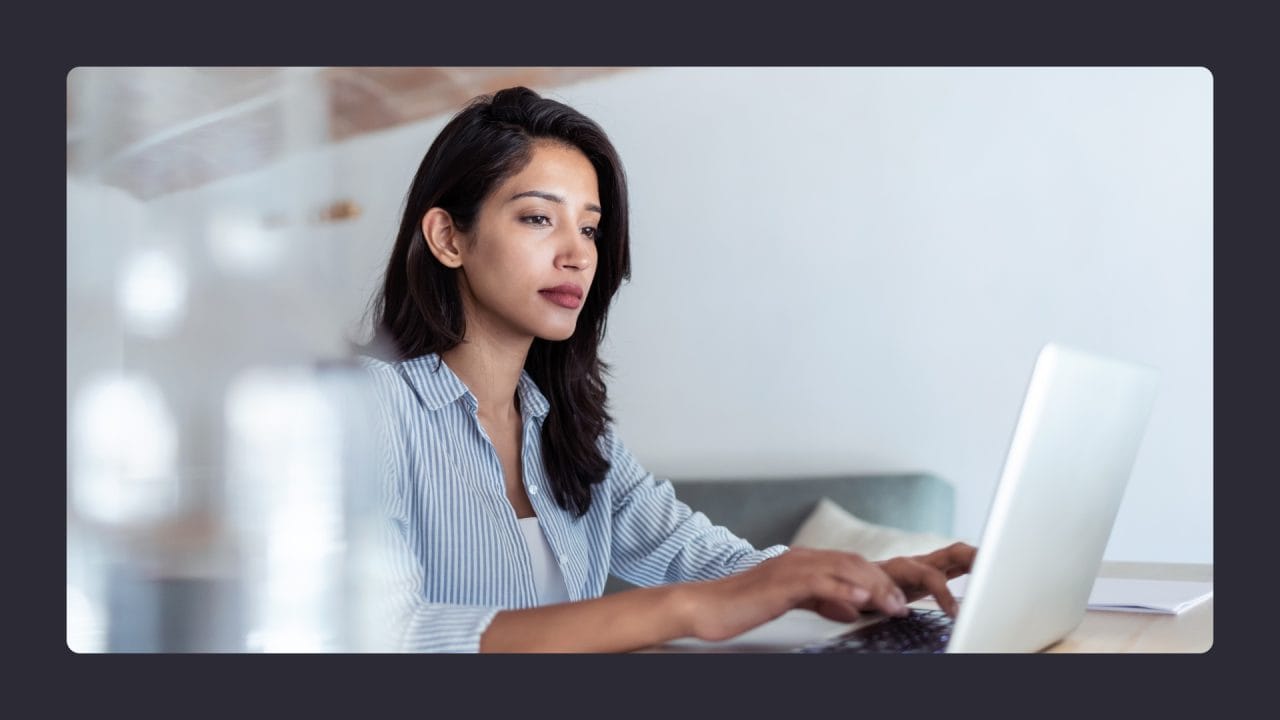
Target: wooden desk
{"type": "Point", "coordinates": [1099, 631]}
{"type": "Point", "coordinates": [1111, 632]}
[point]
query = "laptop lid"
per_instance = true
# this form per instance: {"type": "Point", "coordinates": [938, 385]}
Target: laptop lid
{"type": "Point", "coordinates": [1073, 448]}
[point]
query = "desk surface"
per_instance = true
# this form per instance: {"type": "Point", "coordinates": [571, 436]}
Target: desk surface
{"type": "Point", "coordinates": [1099, 631]}
{"type": "Point", "coordinates": [1188, 632]}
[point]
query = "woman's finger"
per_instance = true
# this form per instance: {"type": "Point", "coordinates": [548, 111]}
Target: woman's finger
{"type": "Point", "coordinates": [935, 582]}
{"type": "Point", "coordinates": [885, 595]}
{"type": "Point", "coordinates": [954, 560]}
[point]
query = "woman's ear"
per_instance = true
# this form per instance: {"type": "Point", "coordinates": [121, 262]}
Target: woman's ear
{"type": "Point", "coordinates": [442, 237]}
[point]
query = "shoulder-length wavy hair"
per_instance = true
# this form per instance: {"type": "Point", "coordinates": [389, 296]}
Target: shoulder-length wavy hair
{"type": "Point", "coordinates": [419, 309]}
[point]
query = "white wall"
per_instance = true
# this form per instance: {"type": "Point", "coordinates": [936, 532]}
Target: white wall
{"type": "Point", "coordinates": [843, 270]}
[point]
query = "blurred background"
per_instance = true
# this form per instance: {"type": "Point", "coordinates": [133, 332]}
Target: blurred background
{"type": "Point", "coordinates": [836, 270]}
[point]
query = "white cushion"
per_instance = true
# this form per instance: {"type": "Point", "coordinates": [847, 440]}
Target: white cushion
{"type": "Point", "coordinates": [831, 527]}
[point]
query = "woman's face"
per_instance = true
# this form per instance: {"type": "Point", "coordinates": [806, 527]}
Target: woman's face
{"type": "Point", "coordinates": [528, 261]}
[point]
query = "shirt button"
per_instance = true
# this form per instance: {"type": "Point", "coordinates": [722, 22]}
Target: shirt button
{"type": "Point", "coordinates": [564, 559]}
{"type": "Point", "coordinates": [533, 489]}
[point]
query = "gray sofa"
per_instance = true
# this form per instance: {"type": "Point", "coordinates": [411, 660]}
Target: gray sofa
{"type": "Point", "coordinates": [768, 512]}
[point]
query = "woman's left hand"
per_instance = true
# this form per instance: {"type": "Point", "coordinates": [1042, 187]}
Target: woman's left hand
{"type": "Point", "coordinates": [921, 575]}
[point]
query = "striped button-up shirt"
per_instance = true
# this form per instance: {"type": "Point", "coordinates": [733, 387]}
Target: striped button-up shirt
{"type": "Point", "coordinates": [458, 554]}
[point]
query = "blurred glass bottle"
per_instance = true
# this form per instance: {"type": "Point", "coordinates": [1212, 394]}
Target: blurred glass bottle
{"type": "Point", "coordinates": [218, 460]}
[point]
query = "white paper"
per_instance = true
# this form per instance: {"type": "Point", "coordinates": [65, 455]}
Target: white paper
{"type": "Point", "coordinates": [1160, 596]}
{"type": "Point", "coordinates": [1127, 595]}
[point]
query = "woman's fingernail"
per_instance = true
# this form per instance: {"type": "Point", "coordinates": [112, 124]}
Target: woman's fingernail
{"type": "Point", "coordinates": [861, 595]}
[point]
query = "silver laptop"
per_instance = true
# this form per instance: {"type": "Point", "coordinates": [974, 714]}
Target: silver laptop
{"type": "Point", "coordinates": [1073, 448]}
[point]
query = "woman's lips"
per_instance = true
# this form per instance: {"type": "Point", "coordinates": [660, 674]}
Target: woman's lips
{"type": "Point", "coordinates": [563, 299]}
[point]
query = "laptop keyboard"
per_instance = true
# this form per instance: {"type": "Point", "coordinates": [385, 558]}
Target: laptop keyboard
{"type": "Point", "coordinates": [923, 631]}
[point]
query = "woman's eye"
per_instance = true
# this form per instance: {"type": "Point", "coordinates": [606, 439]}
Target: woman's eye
{"type": "Point", "coordinates": [537, 219]}
{"type": "Point", "coordinates": [590, 232]}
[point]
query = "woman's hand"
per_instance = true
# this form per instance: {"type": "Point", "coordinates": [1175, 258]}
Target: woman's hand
{"type": "Point", "coordinates": [921, 575]}
{"type": "Point", "coordinates": [837, 585]}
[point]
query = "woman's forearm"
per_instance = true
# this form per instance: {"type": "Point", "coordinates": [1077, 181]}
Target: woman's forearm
{"type": "Point", "coordinates": [620, 622]}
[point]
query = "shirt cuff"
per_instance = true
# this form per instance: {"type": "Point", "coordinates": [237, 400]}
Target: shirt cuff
{"type": "Point", "coordinates": [752, 559]}
{"type": "Point", "coordinates": [447, 628]}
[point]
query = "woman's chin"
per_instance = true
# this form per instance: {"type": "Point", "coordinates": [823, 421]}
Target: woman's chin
{"type": "Point", "coordinates": [557, 333]}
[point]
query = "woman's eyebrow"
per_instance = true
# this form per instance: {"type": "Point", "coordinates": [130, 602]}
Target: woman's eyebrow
{"type": "Point", "coordinates": [591, 207]}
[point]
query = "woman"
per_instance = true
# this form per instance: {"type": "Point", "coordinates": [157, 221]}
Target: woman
{"type": "Point", "coordinates": [511, 496]}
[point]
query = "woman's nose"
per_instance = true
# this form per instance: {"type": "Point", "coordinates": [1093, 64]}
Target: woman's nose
{"type": "Point", "coordinates": [578, 252]}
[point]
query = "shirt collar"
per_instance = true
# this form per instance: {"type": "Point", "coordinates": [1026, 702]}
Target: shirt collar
{"type": "Point", "coordinates": [439, 386]}
{"type": "Point", "coordinates": [532, 402]}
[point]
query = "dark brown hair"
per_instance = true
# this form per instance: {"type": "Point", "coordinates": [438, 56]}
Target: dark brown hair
{"type": "Point", "coordinates": [419, 308]}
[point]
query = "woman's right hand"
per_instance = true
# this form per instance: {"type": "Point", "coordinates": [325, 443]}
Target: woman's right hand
{"type": "Point", "coordinates": [837, 585]}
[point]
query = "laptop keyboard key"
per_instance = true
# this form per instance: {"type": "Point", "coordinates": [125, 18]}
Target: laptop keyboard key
{"type": "Point", "coordinates": [923, 631]}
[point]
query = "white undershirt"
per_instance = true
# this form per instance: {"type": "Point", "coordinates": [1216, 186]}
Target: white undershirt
{"type": "Point", "coordinates": [547, 577]}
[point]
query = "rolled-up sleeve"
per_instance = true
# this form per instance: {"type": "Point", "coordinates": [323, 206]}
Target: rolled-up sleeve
{"type": "Point", "coordinates": [412, 624]}
{"type": "Point", "coordinates": [657, 539]}
{"type": "Point", "coordinates": [406, 621]}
